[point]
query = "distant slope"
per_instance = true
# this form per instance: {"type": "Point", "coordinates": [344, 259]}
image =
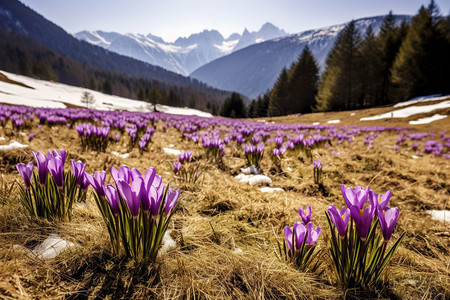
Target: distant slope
{"type": "Point", "coordinates": [21, 20]}
{"type": "Point", "coordinates": [17, 89]}
{"type": "Point", "coordinates": [185, 54]}
{"type": "Point", "coordinates": [253, 70]}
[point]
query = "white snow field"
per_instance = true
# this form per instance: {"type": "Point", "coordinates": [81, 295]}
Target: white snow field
{"type": "Point", "coordinates": [421, 99]}
{"type": "Point", "coordinates": [409, 111]}
{"type": "Point", "coordinates": [427, 120]}
{"type": "Point", "coordinates": [56, 95]}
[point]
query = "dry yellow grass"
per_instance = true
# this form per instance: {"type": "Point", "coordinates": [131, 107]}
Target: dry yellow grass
{"type": "Point", "coordinates": [225, 230]}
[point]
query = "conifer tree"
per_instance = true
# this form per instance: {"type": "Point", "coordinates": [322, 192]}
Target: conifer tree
{"type": "Point", "coordinates": [233, 107]}
{"type": "Point", "coordinates": [422, 64]}
{"type": "Point", "coordinates": [337, 90]}
{"type": "Point", "coordinates": [279, 96]}
{"type": "Point", "coordinates": [370, 80]}
{"type": "Point", "coordinates": [302, 83]}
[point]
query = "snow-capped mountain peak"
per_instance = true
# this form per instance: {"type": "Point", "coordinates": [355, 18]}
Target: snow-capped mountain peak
{"type": "Point", "coordinates": [184, 55]}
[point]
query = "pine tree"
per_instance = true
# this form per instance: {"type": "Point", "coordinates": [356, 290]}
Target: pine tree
{"type": "Point", "coordinates": [302, 83]}
{"type": "Point", "coordinates": [422, 64]}
{"type": "Point", "coordinates": [370, 79]}
{"type": "Point", "coordinates": [233, 107]}
{"type": "Point", "coordinates": [107, 87]}
{"type": "Point", "coordinates": [279, 96]}
{"type": "Point", "coordinates": [336, 89]}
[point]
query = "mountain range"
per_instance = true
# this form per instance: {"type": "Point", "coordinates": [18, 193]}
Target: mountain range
{"type": "Point", "coordinates": [253, 70]}
{"type": "Point", "coordinates": [18, 19]}
{"type": "Point", "coordinates": [185, 54]}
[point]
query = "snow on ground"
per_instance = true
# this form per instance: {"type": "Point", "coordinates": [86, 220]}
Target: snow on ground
{"type": "Point", "coordinates": [13, 145]}
{"type": "Point", "coordinates": [316, 123]}
{"type": "Point", "coordinates": [125, 155]}
{"type": "Point", "coordinates": [253, 179]}
{"type": "Point", "coordinates": [440, 215]}
{"type": "Point", "coordinates": [167, 243]}
{"type": "Point", "coordinates": [421, 99]}
{"type": "Point", "coordinates": [267, 189]}
{"type": "Point", "coordinates": [171, 151]}
{"type": "Point", "coordinates": [409, 111]}
{"type": "Point", "coordinates": [334, 121]}
{"type": "Point", "coordinates": [55, 95]}
{"type": "Point", "coordinates": [428, 119]}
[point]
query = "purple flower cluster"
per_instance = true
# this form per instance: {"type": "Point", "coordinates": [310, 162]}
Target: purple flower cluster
{"type": "Point", "coordinates": [363, 214]}
{"type": "Point", "coordinates": [302, 232]}
{"type": "Point", "coordinates": [93, 137]}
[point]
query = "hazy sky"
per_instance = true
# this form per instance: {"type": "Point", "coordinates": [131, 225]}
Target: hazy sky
{"type": "Point", "coordinates": [170, 19]}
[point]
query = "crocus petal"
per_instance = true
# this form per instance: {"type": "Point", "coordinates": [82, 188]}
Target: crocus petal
{"type": "Point", "coordinates": [388, 219]}
{"type": "Point", "coordinates": [113, 198]}
{"type": "Point", "coordinates": [288, 236]}
{"type": "Point", "coordinates": [135, 174]}
{"type": "Point", "coordinates": [305, 214]}
{"type": "Point", "coordinates": [127, 194]}
{"type": "Point", "coordinates": [299, 234]}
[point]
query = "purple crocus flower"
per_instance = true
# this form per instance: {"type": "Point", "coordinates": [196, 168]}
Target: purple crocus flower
{"type": "Point", "coordinates": [61, 153]}
{"type": "Point", "coordinates": [132, 194]}
{"type": "Point", "coordinates": [56, 169]}
{"type": "Point", "coordinates": [313, 234]}
{"type": "Point", "coordinates": [135, 174]}
{"type": "Point", "coordinates": [305, 214]}
{"type": "Point", "coordinates": [97, 180]}
{"type": "Point", "coordinates": [299, 231]}
{"type": "Point", "coordinates": [363, 219]}
{"type": "Point", "coordinates": [155, 196]}
{"type": "Point", "coordinates": [388, 219]}
{"type": "Point", "coordinates": [42, 164]}
{"type": "Point", "coordinates": [339, 219]}
{"type": "Point", "coordinates": [113, 198]}
{"type": "Point", "coordinates": [357, 196]}
{"type": "Point", "coordinates": [31, 136]}
{"type": "Point", "coordinates": [176, 166]}
{"type": "Point", "coordinates": [26, 171]}
{"type": "Point", "coordinates": [78, 171]}
{"type": "Point", "coordinates": [123, 173]}
{"type": "Point", "coordinates": [171, 199]}
{"type": "Point", "coordinates": [317, 164]}
{"type": "Point", "coordinates": [149, 177]}
{"type": "Point", "coordinates": [379, 200]}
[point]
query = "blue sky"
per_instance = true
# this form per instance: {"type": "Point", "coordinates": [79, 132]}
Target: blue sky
{"type": "Point", "coordinates": [170, 19]}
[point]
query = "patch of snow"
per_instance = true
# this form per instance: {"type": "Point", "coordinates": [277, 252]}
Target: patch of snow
{"type": "Point", "coordinates": [171, 145]}
{"type": "Point", "coordinates": [2, 138]}
{"type": "Point", "coordinates": [409, 111]}
{"type": "Point", "coordinates": [254, 179]}
{"type": "Point", "coordinates": [167, 243]}
{"type": "Point", "coordinates": [427, 120]}
{"type": "Point", "coordinates": [238, 250]}
{"type": "Point", "coordinates": [171, 151]}
{"type": "Point", "coordinates": [352, 114]}
{"type": "Point", "coordinates": [259, 40]}
{"type": "Point", "coordinates": [125, 155]}
{"type": "Point", "coordinates": [13, 145]}
{"type": "Point", "coordinates": [227, 46]}
{"type": "Point", "coordinates": [334, 121]}
{"type": "Point", "coordinates": [51, 247]}
{"type": "Point", "coordinates": [270, 190]}
{"type": "Point", "coordinates": [421, 99]}
{"type": "Point", "coordinates": [440, 215]}
{"type": "Point", "coordinates": [289, 169]}
{"type": "Point", "coordinates": [56, 95]}
{"type": "Point", "coordinates": [415, 157]}
{"type": "Point", "coordinates": [316, 123]}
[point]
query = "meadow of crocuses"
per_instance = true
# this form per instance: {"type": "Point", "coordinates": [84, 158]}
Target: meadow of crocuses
{"type": "Point", "coordinates": [150, 223]}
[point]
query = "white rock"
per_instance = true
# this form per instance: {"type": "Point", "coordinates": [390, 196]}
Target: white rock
{"type": "Point", "coordinates": [440, 215]}
{"type": "Point", "coordinates": [270, 190]}
{"type": "Point", "coordinates": [172, 151]}
{"type": "Point", "coordinates": [52, 247]}
{"type": "Point", "coordinates": [13, 145]}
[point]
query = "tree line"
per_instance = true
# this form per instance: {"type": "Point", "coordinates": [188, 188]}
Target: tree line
{"type": "Point", "coordinates": [401, 62]}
